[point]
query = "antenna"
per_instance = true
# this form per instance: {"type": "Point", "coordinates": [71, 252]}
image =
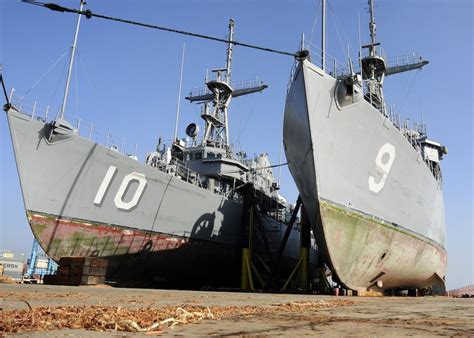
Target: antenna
{"type": "Point", "coordinates": [323, 35]}
{"type": "Point", "coordinates": [179, 95]}
{"type": "Point", "coordinates": [228, 77]}
{"type": "Point", "coordinates": [422, 119]}
{"type": "Point", "coordinates": [372, 27]}
{"type": "Point", "coordinates": [71, 61]}
{"type": "Point", "coordinates": [360, 59]}
{"type": "Point", "coordinates": [228, 66]}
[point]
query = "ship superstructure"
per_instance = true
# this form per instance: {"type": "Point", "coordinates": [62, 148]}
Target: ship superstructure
{"type": "Point", "coordinates": [371, 184]}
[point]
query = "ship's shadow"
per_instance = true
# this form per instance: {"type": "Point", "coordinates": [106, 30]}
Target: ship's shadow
{"type": "Point", "coordinates": [194, 264]}
{"type": "Point", "coordinates": [204, 226]}
{"type": "Point", "coordinates": [205, 258]}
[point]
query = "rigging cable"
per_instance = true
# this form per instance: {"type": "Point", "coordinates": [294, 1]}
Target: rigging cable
{"type": "Point", "coordinates": [57, 87]}
{"type": "Point", "coordinates": [314, 22]}
{"type": "Point", "coordinates": [88, 80]}
{"type": "Point", "coordinates": [338, 33]}
{"type": "Point", "coordinates": [337, 24]}
{"type": "Point", "coordinates": [88, 14]}
{"type": "Point", "coordinates": [409, 90]}
{"type": "Point", "coordinates": [44, 74]}
{"type": "Point", "coordinates": [246, 122]}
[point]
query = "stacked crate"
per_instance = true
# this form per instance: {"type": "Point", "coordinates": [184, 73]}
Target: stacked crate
{"type": "Point", "coordinates": [79, 271]}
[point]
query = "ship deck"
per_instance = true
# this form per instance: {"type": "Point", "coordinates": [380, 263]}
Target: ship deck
{"type": "Point", "coordinates": [235, 314]}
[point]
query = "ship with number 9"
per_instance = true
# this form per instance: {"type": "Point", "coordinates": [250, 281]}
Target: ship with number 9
{"type": "Point", "coordinates": [371, 184]}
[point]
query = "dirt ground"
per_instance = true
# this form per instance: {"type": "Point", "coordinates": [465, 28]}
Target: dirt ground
{"type": "Point", "coordinates": [45, 311]}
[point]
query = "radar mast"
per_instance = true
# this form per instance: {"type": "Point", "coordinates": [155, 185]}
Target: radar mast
{"type": "Point", "coordinates": [375, 66]}
{"type": "Point", "coordinates": [215, 99]}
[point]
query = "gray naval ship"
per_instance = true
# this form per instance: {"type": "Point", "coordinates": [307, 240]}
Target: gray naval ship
{"type": "Point", "coordinates": [177, 218]}
{"type": "Point", "coordinates": [371, 184]}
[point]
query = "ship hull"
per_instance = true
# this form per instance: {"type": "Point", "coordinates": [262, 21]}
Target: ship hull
{"type": "Point", "coordinates": [375, 228]}
{"type": "Point", "coordinates": [84, 199]}
{"type": "Point", "coordinates": [138, 256]}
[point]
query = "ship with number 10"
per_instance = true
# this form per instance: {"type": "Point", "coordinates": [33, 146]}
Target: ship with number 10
{"type": "Point", "coordinates": [176, 219]}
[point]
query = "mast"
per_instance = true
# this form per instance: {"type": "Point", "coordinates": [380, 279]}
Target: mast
{"type": "Point", "coordinates": [71, 61]}
{"type": "Point", "coordinates": [179, 95]}
{"type": "Point", "coordinates": [216, 99]}
{"type": "Point", "coordinates": [323, 35]}
{"type": "Point", "coordinates": [374, 67]}
{"type": "Point", "coordinates": [229, 51]}
{"type": "Point", "coordinates": [372, 28]}
{"type": "Point", "coordinates": [227, 77]}
{"type": "Point", "coordinates": [360, 58]}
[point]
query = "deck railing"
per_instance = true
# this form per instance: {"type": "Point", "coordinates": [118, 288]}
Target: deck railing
{"type": "Point", "coordinates": [403, 60]}
{"type": "Point", "coordinates": [250, 83]}
{"type": "Point", "coordinates": [334, 67]}
{"type": "Point", "coordinates": [83, 127]}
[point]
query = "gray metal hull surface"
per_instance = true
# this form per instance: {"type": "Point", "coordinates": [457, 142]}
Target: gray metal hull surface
{"type": "Point", "coordinates": [169, 230]}
{"type": "Point", "coordinates": [391, 232]}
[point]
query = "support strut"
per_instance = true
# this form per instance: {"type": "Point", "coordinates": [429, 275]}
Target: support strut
{"type": "Point", "coordinates": [302, 267]}
{"type": "Point", "coordinates": [3, 87]}
{"type": "Point", "coordinates": [283, 244]}
{"type": "Point", "coordinates": [248, 230]}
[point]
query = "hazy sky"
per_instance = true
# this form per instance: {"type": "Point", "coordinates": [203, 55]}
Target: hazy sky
{"type": "Point", "coordinates": [127, 78]}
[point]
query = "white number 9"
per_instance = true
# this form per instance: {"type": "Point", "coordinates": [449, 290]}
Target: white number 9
{"type": "Point", "coordinates": [383, 169]}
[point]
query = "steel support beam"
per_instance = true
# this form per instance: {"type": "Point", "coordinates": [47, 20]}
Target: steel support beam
{"type": "Point", "coordinates": [276, 265]}
{"type": "Point", "coordinates": [302, 267]}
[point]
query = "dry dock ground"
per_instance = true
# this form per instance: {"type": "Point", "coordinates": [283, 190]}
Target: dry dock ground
{"type": "Point", "coordinates": [45, 311]}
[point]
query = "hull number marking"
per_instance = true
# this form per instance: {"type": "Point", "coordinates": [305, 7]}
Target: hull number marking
{"type": "Point", "coordinates": [383, 162]}
{"type": "Point", "coordinates": [127, 180]}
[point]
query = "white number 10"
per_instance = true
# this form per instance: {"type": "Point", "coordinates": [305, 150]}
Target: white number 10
{"type": "Point", "coordinates": [383, 169]}
{"type": "Point", "coordinates": [118, 200]}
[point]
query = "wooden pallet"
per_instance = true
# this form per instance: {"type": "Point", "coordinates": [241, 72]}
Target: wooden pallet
{"type": "Point", "coordinates": [79, 271]}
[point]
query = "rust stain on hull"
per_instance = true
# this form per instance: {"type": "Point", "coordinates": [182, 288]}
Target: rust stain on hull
{"type": "Point", "coordinates": [66, 237]}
